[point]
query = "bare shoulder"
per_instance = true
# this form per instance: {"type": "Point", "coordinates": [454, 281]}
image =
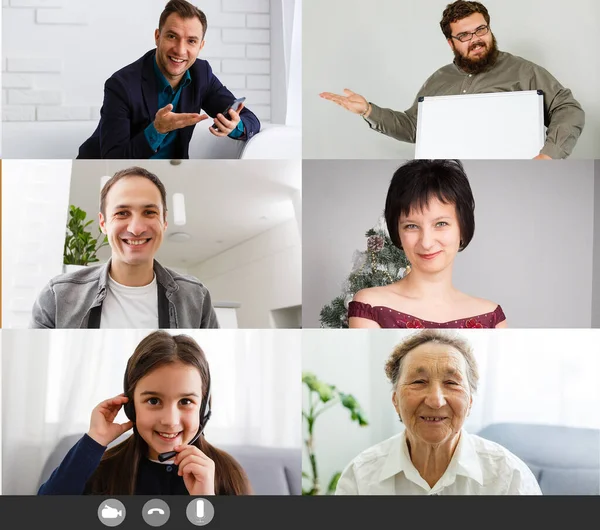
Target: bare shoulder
{"type": "Point", "coordinates": [476, 306]}
{"type": "Point", "coordinates": [373, 296]}
{"type": "Point", "coordinates": [480, 306]}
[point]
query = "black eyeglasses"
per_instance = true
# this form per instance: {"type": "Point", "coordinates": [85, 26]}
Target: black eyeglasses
{"type": "Point", "coordinates": [468, 35]}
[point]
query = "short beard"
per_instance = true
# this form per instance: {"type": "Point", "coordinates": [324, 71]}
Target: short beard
{"type": "Point", "coordinates": [476, 66]}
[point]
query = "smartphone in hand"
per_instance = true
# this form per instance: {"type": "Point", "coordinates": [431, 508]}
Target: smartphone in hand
{"type": "Point", "coordinates": [235, 105]}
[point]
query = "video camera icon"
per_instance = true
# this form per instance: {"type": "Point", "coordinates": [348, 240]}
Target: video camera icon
{"type": "Point", "coordinates": [108, 512]}
{"type": "Point", "coordinates": [111, 512]}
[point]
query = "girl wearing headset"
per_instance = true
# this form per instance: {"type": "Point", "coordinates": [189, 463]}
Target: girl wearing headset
{"type": "Point", "coordinates": [167, 400]}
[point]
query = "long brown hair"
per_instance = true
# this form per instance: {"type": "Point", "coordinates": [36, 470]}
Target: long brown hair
{"type": "Point", "coordinates": [117, 472]}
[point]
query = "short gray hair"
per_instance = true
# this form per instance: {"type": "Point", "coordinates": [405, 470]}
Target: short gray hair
{"type": "Point", "coordinates": [393, 366]}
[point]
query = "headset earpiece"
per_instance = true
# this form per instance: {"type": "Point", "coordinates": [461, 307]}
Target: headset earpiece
{"type": "Point", "coordinates": [129, 409]}
{"type": "Point", "coordinates": [205, 412]}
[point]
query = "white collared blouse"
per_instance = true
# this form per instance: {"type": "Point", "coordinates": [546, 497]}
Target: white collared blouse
{"type": "Point", "coordinates": [478, 467]}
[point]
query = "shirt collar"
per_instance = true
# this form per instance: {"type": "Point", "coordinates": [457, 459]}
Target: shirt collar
{"type": "Point", "coordinates": [464, 462]}
{"type": "Point", "coordinates": [163, 84]}
{"type": "Point", "coordinates": [161, 274]}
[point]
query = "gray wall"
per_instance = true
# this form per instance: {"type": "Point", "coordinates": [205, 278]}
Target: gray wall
{"type": "Point", "coordinates": [532, 249]}
{"type": "Point", "coordinates": [386, 50]}
{"type": "Point", "coordinates": [596, 282]}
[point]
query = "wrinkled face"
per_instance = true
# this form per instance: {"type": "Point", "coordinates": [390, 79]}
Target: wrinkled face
{"type": "Point", "coordinates": [178, 45]}
{"type": "Point", "coordinates": [134, 221]}
{"type": "Point", "coordinates": [431, 237]}
{"type": "Point", "coordinates": [432, 395]}
{"type": "Point", "coordinates": [167, 407]}
{"type": "Point", "coordinates": [476, 54]}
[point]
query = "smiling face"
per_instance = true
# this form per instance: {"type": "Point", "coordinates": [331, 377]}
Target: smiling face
{"type": "Point", "coordinates": [133, 220]}
{"type": "Point", "coordinates": [431, 237]}
{"type": "Point", "coordinates": [478, 53]}
{"type": "Point", "coordinates": [178, 44]}
{"type": "Point", "coordinates": [167, 406]}
{"type": "Point", "coordinates": [432, 396]}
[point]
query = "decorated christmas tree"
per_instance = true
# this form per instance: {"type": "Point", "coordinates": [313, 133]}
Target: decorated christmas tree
{"type": "Point", "coordinates": [380, 264]}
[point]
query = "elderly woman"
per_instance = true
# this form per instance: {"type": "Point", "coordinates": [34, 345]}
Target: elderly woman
{"type": "Point", "coordinates": [434, 376]}
{"type": "Point", "coordinates": [429, 212]}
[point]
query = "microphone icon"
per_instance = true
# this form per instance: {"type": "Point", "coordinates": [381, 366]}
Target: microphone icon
{"type": "Point", "coordinates": [200, 508]}
{"type": "Point", "coordinates": [200, 511]}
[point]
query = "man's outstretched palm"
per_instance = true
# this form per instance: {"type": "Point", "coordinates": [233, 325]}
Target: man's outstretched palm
{"type": "Point", "coordinates": [350, 101]}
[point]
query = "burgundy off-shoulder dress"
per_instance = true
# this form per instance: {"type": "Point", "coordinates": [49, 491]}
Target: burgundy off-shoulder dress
{"type": "Point", "coordinates": [390, 318]}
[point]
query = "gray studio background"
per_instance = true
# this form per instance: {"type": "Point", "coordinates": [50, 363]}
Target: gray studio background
{"type": "Point", "coordinates": [537, 235]}
{"type": "Point", "coordinates": [387, 49]}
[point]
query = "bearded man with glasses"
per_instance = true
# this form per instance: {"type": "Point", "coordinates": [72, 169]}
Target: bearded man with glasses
{"type": "Point", "coordinates": [478, 68]}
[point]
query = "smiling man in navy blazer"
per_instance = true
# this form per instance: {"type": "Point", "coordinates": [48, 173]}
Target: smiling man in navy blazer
{"type": "Point", "coordinates": [151, 106]}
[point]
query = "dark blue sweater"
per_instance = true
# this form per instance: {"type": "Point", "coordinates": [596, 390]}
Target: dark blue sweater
{"type": "Point", "coordinates": [72, 475]}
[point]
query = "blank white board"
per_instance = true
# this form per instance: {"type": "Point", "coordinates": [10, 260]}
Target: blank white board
{"type": "Point", "coordinates": [490, 126]}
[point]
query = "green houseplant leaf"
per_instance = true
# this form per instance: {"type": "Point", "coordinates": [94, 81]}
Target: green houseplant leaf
{"type": "Point", "coordinates": [321, 397]}
{"type": "Point", "coordinates": [81, 246]}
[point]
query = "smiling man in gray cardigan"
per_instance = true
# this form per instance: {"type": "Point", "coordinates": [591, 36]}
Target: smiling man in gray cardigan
{"type": "Point", "coordinates": [132, 290]}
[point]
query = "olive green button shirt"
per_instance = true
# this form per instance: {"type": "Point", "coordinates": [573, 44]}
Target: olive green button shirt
{"type": "Point", "coordinates": [563, 115]}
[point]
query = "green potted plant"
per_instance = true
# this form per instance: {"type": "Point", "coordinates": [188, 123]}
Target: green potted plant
{"type": "Point", "coordinates": [81, 246]}
{"type": "Point", "coordinates": [322, 397]}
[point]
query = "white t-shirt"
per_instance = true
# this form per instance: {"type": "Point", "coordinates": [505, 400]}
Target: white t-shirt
{"type": "Point", "coordinates": [130, 307]}
{"type": "Point", "coordinates": [478, 467]}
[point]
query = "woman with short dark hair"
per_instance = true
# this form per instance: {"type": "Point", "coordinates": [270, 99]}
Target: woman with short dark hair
{"type": "Point", "coordinates": [429, 213]}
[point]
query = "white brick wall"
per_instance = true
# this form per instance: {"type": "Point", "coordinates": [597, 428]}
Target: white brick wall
{"type": "Point", "coordinates": [18, 113]}
{"type": "Point", "coordinates": [259, 51]}
{"type": "Point", "coordinates": [35, 3]}
{"type": "Point", "coordinates": [246, 35]}
{"type": "Point", "coordinates": [234, 81]}
{"type": "Point", "coordinates": [63, 113]}
{"type": "Point", "coordinates": [17, 81]}
{"type": "Point", "coordinates": [58, 72]}
{"type": "Point", "coordinates": [258, 21]}
{"type": "Point", "coordinates": [258, 81]}
{"type": "Point", "coordinates": [17, 96]}
{"type": "Point", "coordinates": [17, 63]}
{"type": "Point", "coordinates": [247, 6]}
{"type": "Point", "coordinates": [231, 66]}
{"type": "Point", "coordinates": [59, 16]}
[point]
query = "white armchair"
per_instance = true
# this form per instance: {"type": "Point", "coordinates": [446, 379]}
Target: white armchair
{"type": "Point", "coordinates": [272, 142]}
{"type": "Point", "coordinates": [61, 140]}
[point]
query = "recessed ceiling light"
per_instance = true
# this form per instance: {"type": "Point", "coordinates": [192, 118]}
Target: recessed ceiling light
{"type": "Point", "coordinates": [178, 209]}
{"type": "Point", "coordinates": [179, 237]}
{"type": "Point", "coordinates": [103, 181]}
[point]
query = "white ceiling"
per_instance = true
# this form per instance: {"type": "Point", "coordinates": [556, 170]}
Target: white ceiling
{"type": "Point", "coordinates": [227, 202]}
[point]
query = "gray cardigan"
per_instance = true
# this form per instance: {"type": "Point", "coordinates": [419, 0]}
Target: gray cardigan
{"type": "Point", "coordinates": [67, 300]}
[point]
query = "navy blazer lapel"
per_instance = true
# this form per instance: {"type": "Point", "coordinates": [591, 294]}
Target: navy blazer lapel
{"type": "Point", "coordinates": [149, 86]}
